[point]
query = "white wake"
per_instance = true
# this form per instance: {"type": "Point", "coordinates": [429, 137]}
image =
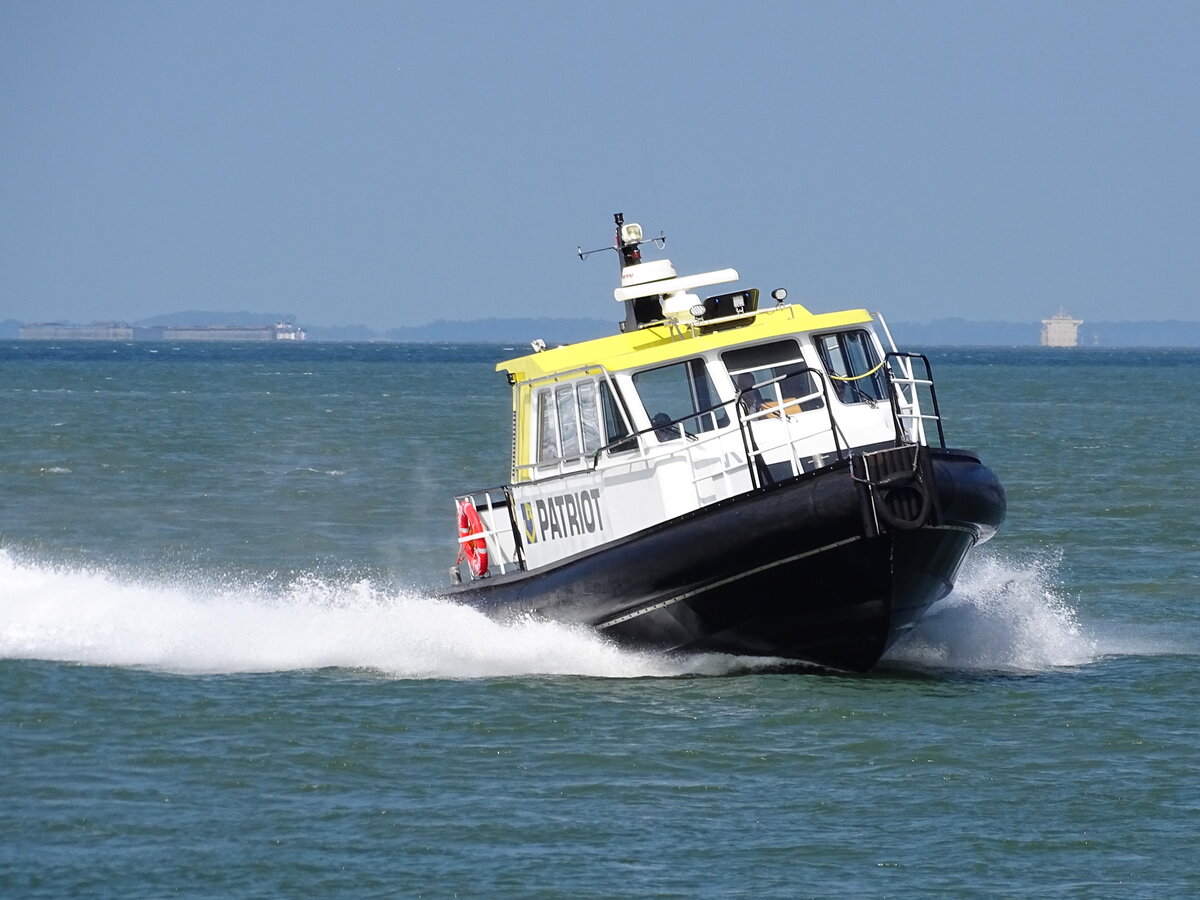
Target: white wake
{"type": "Point", "coordinates": [95, 617]}
{"type": "Point", "coordinates": [1003, 616]}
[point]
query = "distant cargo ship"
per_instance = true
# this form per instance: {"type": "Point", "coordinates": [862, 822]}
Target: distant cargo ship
{"type": "Point", "coordinates": [1060, 330]}
{"type": "Point", "coordinates": [280, 331]}
{"type": "Point", "coordinates": [119, 331]}
{"type": "Point", "coordinates": [62, 331]}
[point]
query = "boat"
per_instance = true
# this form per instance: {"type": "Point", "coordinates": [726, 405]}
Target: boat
{"type": "Point", "coordinates": [724, 475]}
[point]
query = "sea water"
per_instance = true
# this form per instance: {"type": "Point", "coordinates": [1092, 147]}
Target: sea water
{"type": "Point", "coordinates": [225, 670]}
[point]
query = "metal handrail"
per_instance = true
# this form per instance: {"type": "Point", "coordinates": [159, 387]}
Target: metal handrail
{"type": "Point", "coordinates": [487, 533]}
{"type": "Point", "coordinates": [905, 364]}
{"type": "Point", "coordinates": [743, 421]}
{"type": "Point", "coordinates": [834, 428]}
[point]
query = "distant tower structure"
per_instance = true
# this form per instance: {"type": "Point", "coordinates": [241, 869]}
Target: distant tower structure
{"type": "Point", "coordinates": [1060, 330]}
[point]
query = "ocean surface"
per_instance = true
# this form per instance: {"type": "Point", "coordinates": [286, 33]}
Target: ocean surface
{"type": "Point", "coordinates": [224, 671]}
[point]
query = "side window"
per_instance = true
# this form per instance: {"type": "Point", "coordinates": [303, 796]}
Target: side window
{"type": "Point", "coordinates": [681, 392]}
{"type": "Point", "coordinates": [851, 360]}
{"type": "Point", "coordinates": [614, 422]}
{"type": "Point", "coordinates": [589, 417]}
{"type": "Point", "coordinates": [796, 392]}
{"type": "Point", "coordinates": [568, 419]}
{"type": "Point", "coordinates": [576, 418]}
{"type": "Point", "coordinates": [547, 429]}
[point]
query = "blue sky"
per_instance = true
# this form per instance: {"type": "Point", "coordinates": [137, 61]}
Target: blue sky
{"type": "Point", "coordinates": [389, 164]}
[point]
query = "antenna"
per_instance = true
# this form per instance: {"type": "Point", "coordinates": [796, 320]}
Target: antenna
{"type": "Point", "coordinates": [628, 242]}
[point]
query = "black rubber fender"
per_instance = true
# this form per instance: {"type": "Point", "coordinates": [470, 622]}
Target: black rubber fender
{"type": "Point", "coordinates": [890, 496]}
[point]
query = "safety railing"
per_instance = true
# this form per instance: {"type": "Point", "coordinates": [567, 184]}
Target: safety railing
{"type": "Point", "coordinates": [907, 389]}
{"type": "Point", "coordinates": [672, 439]}
{"type": "Point", "coordinates": [799, 447]}
{"type": "Point", "coordinates": [498, 527]}
{"type": "Point", "coordinates": [754, 460]}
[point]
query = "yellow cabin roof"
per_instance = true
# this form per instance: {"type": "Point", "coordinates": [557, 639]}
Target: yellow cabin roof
{"type": "Point", "coordinates": [662, 343]}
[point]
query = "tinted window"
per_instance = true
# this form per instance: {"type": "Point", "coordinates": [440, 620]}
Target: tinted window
{"type": "Point", "coordinates": [681, 391]}
{"type": "Point", "coordinates": [765, 362]}
{"type": "Point", "coordinates": [614, 422]}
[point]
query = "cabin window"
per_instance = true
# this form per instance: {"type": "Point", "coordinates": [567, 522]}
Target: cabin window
{"type": "Point", "coordinates": [681, 391]}
{"type": "Point", "coordinates": [547, 429]}
{"type": "Point", "coordinates": [850, 357]}
{"type": "Point", "coordinates": [568, 419]}
{"type": "Point", "coordinates": [577, 417]}
{"type": "Point", "coordinates": [614, 421]}
{"type": "Point", "coordinates": [797, 391]}
{"type": "Point", "coordinates": [589, 418]}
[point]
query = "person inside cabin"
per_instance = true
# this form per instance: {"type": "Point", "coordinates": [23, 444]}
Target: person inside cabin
{"type": "Point", "coordinates": [799, 384]}
{"type": "Point", "coordinates": [663, 429]}
{"type": "Point", "coordinates": [750, 399]}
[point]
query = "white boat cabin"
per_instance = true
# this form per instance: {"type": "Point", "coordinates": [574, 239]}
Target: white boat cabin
{"type": "Point", "coordinates": [708, 400]}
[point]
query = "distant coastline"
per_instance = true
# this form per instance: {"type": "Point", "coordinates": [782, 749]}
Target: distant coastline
{"type": "Point", "coordinates": [938, 332]}
{"type": "Point", "coordinates": [121, 331]}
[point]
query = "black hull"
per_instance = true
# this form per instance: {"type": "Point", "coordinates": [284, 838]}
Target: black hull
{"type": "Point", "coordinates": [804, 569]}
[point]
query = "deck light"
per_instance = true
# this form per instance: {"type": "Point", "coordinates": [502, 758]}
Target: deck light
{"type": "Point", "coordinates": [631, 233]}
{"type": "Point", "coordinates": [779, 295]}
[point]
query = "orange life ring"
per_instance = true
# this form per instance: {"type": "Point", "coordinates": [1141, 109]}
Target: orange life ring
{"type": "Point", "coordinates": [474, 550]}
